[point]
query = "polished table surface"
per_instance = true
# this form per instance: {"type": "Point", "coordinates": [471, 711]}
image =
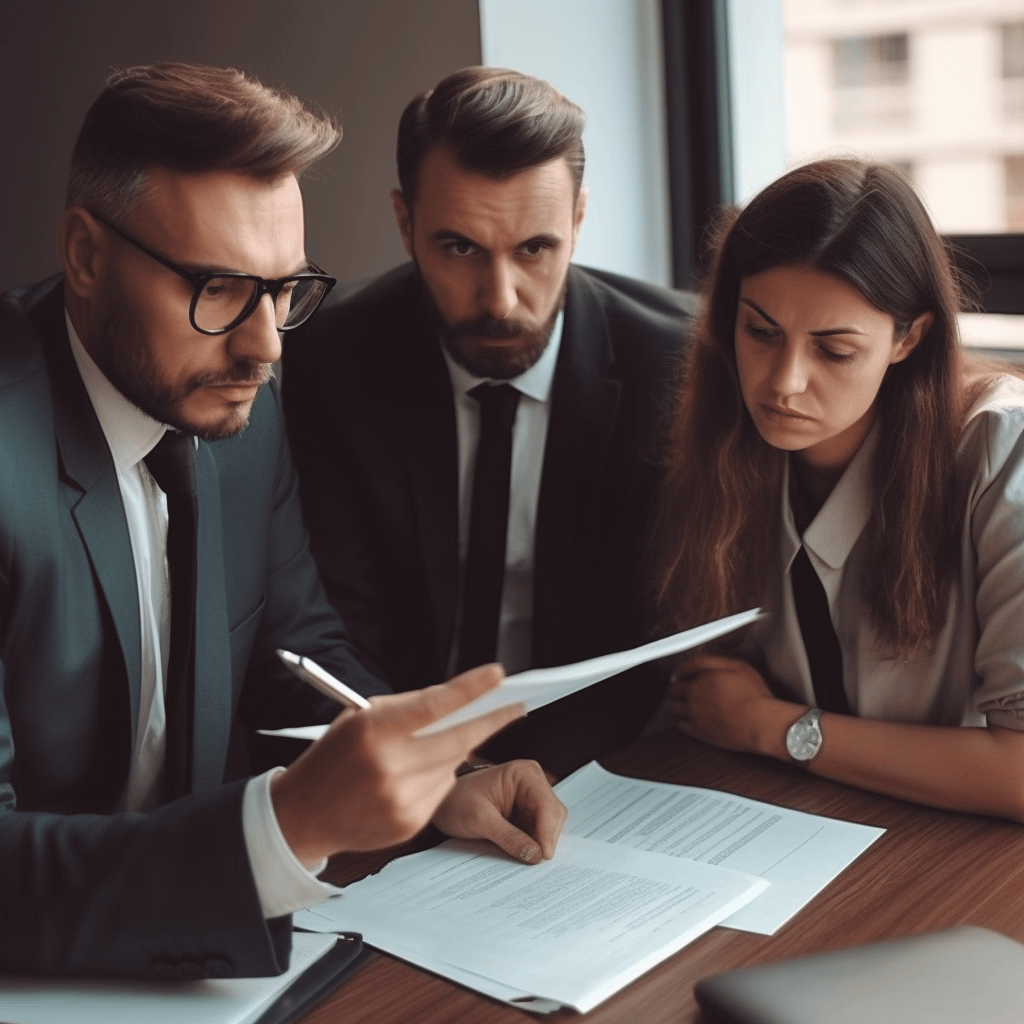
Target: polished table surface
{"type": "Point", "coordinates": [931, 869]}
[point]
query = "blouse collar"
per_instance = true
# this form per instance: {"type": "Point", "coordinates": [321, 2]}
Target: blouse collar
{"type": "Point", "coordinates": [840, 521]}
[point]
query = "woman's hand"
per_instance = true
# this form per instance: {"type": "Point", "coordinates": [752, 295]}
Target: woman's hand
{"type": "Point", "coordinates": [726, 702]}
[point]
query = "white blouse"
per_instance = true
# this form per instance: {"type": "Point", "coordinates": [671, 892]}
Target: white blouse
{"type": "Point", "coordinates": [975, 670]}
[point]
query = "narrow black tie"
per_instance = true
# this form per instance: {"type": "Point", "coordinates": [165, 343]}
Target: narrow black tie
{"type": "Point", "coordinates": [484, 574]}
{"type": "Point", "coordinates": [819, 636]}
{"type": "Point", "coordinates": [173, 466]}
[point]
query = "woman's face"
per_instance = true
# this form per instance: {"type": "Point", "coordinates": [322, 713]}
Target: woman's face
{"type": "Point", "coordinates": [811, 353]}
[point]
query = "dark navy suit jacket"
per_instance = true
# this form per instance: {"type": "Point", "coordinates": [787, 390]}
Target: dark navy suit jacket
{"type": "Point", "coordinates": [85, 889]}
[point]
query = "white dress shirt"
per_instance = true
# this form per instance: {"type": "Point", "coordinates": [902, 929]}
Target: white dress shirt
{"type": "Point", "coordinates": [975, 671]}
{"type": "Point", "coordinates": [529, 436]}
{"type": "Point", "coordinates": [282, 883]}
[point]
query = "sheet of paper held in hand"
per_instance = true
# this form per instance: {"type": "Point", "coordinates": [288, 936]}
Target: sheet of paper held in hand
{"type": "Point", "coordinates": [539, 686]}
{"type": "Point", "coordinates": [571, 931]}
{"type": "Point", "coordinates": [798, 853]}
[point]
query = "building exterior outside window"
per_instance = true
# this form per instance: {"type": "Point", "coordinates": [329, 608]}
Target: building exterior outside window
{"type": "Point", "coordinates": [871, 80]}
{"type": "Point", "coordinates": [1013, 72]}
{"type": "Point", "coordinates": [1015, 193]}
{"type": "Point", "coordinates": [934, 86]}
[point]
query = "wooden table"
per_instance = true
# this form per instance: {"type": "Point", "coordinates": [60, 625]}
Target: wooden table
{"type": "Point", "coordinates": [931, 869]}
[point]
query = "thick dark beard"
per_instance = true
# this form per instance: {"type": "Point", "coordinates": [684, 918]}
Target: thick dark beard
{"type": "Point", "coordinates": [496, 364]}
{"type": "Point", "coordinates": [120, 351]}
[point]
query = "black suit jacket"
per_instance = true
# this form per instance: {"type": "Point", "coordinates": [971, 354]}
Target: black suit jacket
{"type": "Point", "coordinates": [85, 890]}
{"type": "Point", "coordinates": [370, 414]}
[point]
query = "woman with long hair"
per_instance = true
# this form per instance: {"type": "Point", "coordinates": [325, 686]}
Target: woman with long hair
{"type": "Point", "coordinates": [838, 461]}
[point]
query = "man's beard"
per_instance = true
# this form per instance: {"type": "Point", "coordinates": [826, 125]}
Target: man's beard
{"type": "Point", "coordinates": [494, 363]}
{"type": "Point", "coordinates": [121, 352]}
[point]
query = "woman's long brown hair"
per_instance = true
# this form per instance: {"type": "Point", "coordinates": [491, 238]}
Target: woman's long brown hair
{"type": "Point", "coordinates": [717, 533]}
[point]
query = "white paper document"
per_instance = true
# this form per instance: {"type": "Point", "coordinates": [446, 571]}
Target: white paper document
{"type": "Point", "coordinates": [798, 853]}
{"type": "Point", "coordinates": [232, 1001]}
{"type": "Point", "coordinates": [571, 931]}
{"type": "Point", "coordinates": [539, 686]}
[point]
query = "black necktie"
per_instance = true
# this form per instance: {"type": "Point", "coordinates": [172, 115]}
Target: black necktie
{"type": "Point", "coordinates": [819, 635]}
{"type": "Point", "coordinates": [173, 466]}
{"type": "Point", "coordinates": [484, 573]}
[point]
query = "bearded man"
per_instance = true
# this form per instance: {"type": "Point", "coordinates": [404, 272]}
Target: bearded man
{"type": "Point", "coordinates": [477, 431]}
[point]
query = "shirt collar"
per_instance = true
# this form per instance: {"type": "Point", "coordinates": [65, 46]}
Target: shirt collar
{"type": "Point", "coordinates": [841, 520]}
{"type": "Point", "coordinates": [535, 382]}
{"type": "Point", "coordinates": [131, 434]}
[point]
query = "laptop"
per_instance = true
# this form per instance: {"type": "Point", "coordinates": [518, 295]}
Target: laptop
{"type": "Point", "coordinates": [958, 976]}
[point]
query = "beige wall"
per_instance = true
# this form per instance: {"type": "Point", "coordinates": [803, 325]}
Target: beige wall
{"type": "Point", "coordinates": [362, 59]}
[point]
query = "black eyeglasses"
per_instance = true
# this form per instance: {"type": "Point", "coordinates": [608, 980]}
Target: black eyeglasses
{"type": "Point", "coordinates": [221, 301]}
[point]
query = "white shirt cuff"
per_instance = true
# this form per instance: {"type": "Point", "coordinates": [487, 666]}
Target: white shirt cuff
{"type": "Point", "coordinates": [283, 884]}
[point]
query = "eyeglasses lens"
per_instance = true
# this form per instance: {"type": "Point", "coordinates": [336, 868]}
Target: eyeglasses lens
{"type": "Point", "coordinates": [298, 300]}
{"type": "Point", "coordinates": [224, 299]}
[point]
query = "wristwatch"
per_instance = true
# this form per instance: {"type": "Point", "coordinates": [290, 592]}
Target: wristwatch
{"type": "Point", "coordinates": [803, 739]}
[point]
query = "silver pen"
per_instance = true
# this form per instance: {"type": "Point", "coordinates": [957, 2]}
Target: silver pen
{"type": "Point", "coordinates": [320, 679]}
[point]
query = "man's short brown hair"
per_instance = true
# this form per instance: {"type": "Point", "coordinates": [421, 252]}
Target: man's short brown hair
{"type": "Point", "coordinates": [493, 121]}
{"type": "Point", "coordinates": [189, 118]}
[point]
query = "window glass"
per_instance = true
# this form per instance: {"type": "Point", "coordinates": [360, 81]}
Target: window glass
{"type": "Point", "coordinates": [1015, 193]}
{"type": "Point", "coordinates": [871, 83]}
{"type": "Point", "coordinates": [1013, 72]}
{"type": "Point", "coordinates": [933, 86]}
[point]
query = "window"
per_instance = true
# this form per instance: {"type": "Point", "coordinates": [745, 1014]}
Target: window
{"type": "Point", "coordinates": [1013, 50]}
{"type": "Point", "coordinates": [936, 89]}
{"type": "Point", "coordinates": [1013, 72]}
{"type": "Point", "coordinates": [871, 60]}
{"type": "Point", "coordinates": [1014, 168]}
{"type": "Point", "coordinates": [950, 71]}
{"type": "Point", "coordinates": [871, 76]}
{"type": "Point", "coordinates": [936, 86]}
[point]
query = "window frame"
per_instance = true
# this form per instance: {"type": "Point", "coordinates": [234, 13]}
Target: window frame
{"type": "Point", "coordinates": [699, 127]}
{"type": "Point", "coordinates": [995, 265]}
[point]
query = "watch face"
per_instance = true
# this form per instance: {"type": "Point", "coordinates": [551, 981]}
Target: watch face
{"type": "Point", "coordinates": [803, 740]}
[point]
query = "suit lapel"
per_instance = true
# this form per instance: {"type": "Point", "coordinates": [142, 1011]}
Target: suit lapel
{"type": "Point", "coordinates": [584, 406]}
{"type": "Point", "coordinates": [429, 442]}
{"type": "Point", "coordinates": [211, 722]}
{"type": "Point", "coordinates": [94, 502]}
{"type": "Point", "coordinates": [94, 497]}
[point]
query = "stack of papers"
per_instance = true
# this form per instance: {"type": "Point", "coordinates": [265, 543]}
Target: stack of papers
{"type": "Point", "coordinates": [642, 869]}
{"type": "Point", "coordinates": [798, 853]}
{"type": "Point", "coordinates": [568, 932]}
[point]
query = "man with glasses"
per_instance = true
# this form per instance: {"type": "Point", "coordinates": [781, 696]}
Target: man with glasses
{"type": "Point", "coordinates": [152, 561]}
